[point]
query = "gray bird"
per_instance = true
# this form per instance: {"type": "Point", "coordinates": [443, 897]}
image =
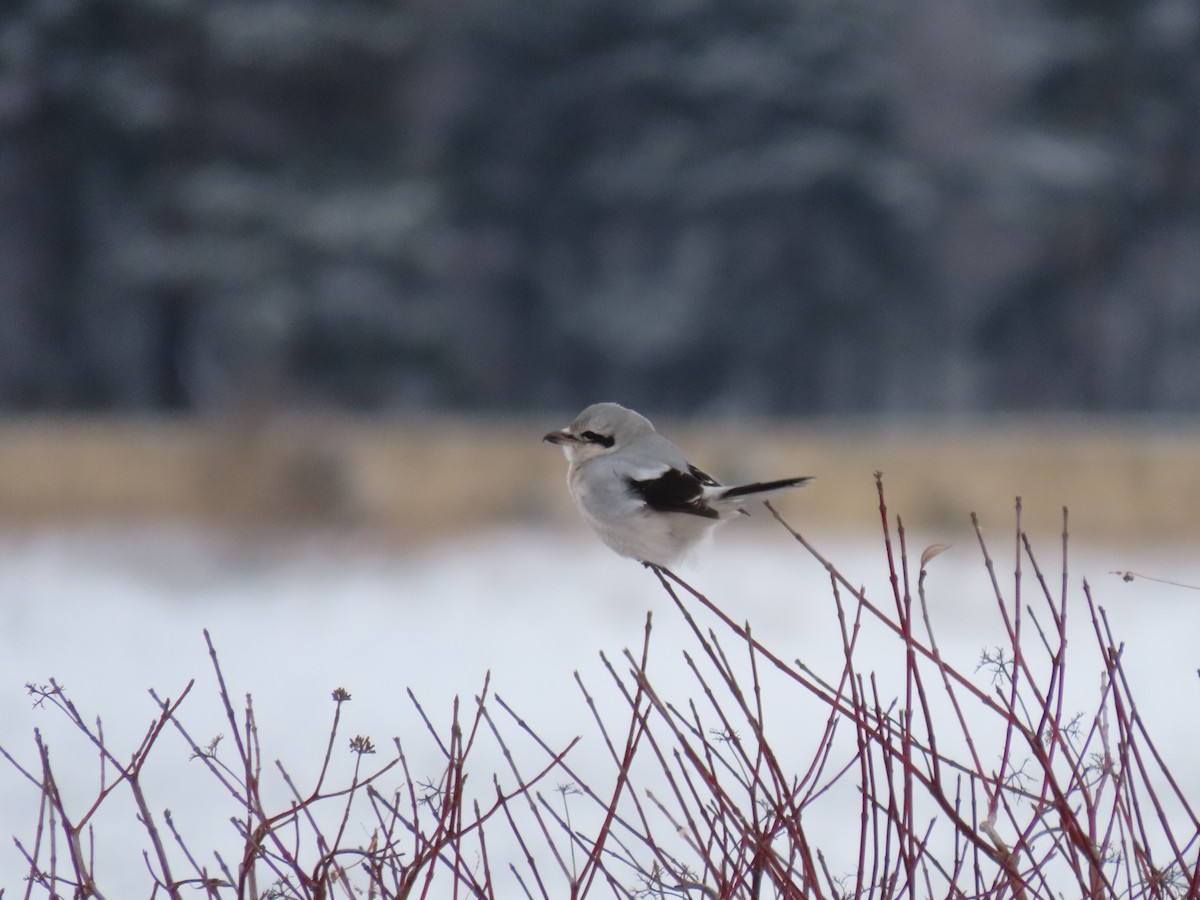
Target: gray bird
{"type": "Point", "coordinates": [638, 491]}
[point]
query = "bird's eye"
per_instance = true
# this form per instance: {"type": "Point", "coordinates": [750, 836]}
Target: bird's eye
{"type": "Point", "coordinates": [592, 437]}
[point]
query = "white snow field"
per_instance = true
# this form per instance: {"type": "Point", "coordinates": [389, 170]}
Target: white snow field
{"type": "Point", "coordinates": [110, 614]}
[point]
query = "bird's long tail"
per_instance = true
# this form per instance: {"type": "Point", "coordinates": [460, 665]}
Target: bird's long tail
{"type": "Point", "coordinates": [761, 487]}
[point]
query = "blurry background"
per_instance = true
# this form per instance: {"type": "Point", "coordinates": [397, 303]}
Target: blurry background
{"type": "Point", "coordinates": [769, 206]}
{"type": "Point", "coordinates": [917, 216]}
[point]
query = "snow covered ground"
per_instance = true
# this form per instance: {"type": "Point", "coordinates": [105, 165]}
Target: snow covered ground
{"type": "Point", "coordinates": [110, 614]}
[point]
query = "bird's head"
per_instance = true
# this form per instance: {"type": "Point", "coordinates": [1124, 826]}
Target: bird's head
{"type": "Point", "coordinates": [600, 429]}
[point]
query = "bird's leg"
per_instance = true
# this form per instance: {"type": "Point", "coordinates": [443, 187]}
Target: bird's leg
{"type": "Point", "coordinates": [661, 571]}
{"type": "Point", "coordinates": [655, 568]}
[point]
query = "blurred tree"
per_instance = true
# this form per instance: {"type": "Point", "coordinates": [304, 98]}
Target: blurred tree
{"type": "Point", "coordinates": [754, 204]}
{"type": "Point", "coordinates": [695, 201]}
{"type": "Point", "coordinates": [1111, 157]}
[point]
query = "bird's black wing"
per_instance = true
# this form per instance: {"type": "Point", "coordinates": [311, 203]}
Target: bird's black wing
{"type": "Point", "coordinates": [675, 491]}
{"type": "Point", "coordinates": [703, 477]}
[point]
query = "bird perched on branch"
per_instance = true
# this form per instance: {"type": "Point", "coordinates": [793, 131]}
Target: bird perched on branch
{"type": "Point", "coordinates": [638, 491]}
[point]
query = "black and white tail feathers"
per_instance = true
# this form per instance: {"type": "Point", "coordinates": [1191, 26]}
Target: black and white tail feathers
{"type": "Point", "coordinates": [761, 487]}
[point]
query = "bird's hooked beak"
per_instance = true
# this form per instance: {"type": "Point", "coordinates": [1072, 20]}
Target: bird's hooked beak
{"type": "Point", "coordinates": [560, 437]}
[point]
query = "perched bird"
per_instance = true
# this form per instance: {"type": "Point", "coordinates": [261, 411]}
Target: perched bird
{"type": "Point", "coordinates": [638, 491]}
